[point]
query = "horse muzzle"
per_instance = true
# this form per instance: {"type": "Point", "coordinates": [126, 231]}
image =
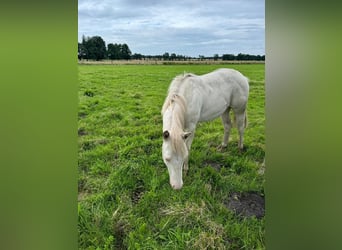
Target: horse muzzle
{"type": "Point", "coordinates": [176, 186]}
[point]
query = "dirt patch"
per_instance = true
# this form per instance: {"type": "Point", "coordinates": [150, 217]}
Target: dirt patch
{"type": "Point", "coordinates": [247, 204]}
{"type": "Point", "coordinates": [120, 232]}
{"type": "Point", "coordinates": [137, 194]}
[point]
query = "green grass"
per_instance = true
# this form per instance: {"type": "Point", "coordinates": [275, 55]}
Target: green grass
{"type": "Point", "coordinates": [125, 200]}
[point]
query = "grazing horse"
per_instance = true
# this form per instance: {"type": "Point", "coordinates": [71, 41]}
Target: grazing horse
{"type": "Point", "coordinates": [192, 99]}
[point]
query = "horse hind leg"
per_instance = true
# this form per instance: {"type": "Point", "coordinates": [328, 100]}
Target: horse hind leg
{"type": "Point", "coordinates": [241, 123]}
{"type": "Point", "coordinates": [227, 125]}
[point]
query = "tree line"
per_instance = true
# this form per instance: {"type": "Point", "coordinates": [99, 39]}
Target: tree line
{"type": "Point", "coordinates": [94, 48]}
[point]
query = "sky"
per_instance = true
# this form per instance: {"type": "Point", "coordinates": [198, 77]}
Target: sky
{"type": "Point", "coordinates": [184, 27]}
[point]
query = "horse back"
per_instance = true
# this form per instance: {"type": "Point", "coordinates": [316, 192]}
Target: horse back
{"type": "Point", "coordinates": [218, 90]}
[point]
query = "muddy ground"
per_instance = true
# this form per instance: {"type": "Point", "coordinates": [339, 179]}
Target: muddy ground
{"type": "Point", "coordinates": [247, 204]}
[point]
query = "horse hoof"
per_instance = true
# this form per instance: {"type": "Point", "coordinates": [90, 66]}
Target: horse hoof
{"type": "Point", "coordinates": [242, 150]}
{"type": "Point", "coordinates": [222, 148]}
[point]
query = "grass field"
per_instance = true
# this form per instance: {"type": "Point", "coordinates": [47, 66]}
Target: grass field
{"type": "Point", "coordinates": [125, 200]}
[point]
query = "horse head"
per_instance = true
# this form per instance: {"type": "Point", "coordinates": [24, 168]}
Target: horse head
{"type": "Point", "coordinates": [175, 155]}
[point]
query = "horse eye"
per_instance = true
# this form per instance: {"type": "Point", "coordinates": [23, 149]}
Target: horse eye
{"type": "Point", "coordinates": [166, 134]}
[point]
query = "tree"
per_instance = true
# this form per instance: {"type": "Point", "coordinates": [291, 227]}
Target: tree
{"type": "Point", "coordinates": [228, 57]}
{"type": "Point", "coordinates": [81, 51]}
{"type": "Point", "coordinates": [201, 57]}
{"type": "Point", "coordinates": [216, 57]}
{"type": "Point", "coordinates": [166, 56]}
{"type": "Point", "coordinates": [137, 56]}
{"type": "Point", "coordinates": [113, 51]}
{"type": "Point", "coordinates": [173, 56]}
{"type": "Point", "coordinates": [125, 52]}
{"type": "Point", "coordinates": [243, 57]}
{"type": "Point", "coordinates": [95, 48]}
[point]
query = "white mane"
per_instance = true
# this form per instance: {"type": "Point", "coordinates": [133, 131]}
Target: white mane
{"type": "Point", "coordinates": [174, 91]}
{"type": "Point", "coordinates": [177, 104]}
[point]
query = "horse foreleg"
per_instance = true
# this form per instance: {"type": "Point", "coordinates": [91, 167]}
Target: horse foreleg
{"type": "Point", "coordinates": [227, 124]}
{"type": "Point", "coordinates": [188, 143]}
{"type": "Point", "coordinates": [186, 165]}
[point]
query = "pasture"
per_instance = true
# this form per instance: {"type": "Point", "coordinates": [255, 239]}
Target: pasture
{"type": "Point", "coordinates": [125, 200]}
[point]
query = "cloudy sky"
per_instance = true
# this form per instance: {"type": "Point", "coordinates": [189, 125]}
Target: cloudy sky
{"type": "Point", "coordinates": [186, 27]}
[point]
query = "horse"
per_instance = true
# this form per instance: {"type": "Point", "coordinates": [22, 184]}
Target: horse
{"type": "Point", "coordinates": [197, 98]}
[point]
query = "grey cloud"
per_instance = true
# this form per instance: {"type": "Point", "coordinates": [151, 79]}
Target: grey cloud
{"type": "Point", "coordinates": [186, 27]}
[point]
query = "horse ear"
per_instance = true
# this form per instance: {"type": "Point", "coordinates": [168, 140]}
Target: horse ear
{"type": "Point", "coordinates": [166, 134]}
{"type": "Point", "coordinates": [185, 135]}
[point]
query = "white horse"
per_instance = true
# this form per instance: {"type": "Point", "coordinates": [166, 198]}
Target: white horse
{"type": "Point", "coordinates": [192, 99]}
